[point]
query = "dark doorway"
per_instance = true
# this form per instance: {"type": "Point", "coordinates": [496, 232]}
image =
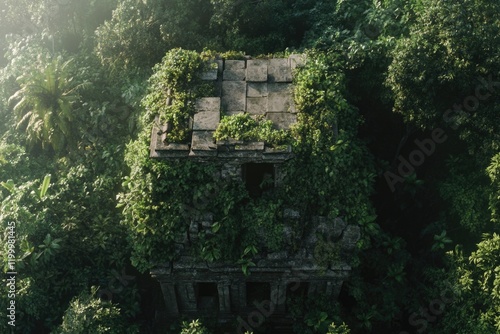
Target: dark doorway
{"type": "Point", "coordinates": [258, 292]}
{"type": "Point", "coordinates": [207, 296]}
{"type": "Point", "coordinates": [258, 178]}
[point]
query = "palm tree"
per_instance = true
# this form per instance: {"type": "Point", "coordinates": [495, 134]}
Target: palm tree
{"type": "Point", "coordinates": [44, 106]}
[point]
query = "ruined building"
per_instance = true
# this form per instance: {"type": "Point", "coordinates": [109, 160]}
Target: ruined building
{"type": "Point", "coordinates": [194, 287]}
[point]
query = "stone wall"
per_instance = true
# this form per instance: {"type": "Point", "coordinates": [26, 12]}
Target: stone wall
{"type": "Point", "coordinates": [284, 272]}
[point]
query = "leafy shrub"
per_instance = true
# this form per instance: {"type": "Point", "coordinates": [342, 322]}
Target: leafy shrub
{"type": "Point", "coordinates": [244, 127]}
{"type": "Point", "coordinates": [89, 314]}
{"type": "Point", "coordinates": [194, 327]}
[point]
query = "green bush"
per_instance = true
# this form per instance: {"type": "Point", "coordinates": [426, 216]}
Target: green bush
{"type": "Point", "coordinates": [89, 314]}
{"type": "Point", "coordinates": [244, 127]}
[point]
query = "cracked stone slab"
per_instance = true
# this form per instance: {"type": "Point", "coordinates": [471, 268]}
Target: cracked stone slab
{"type": "Point", "coordinates": [234, 75]}
{"type": "Point", "coordinates": [234, 64]}
{"type": "Point", "coordinates": [257, 89]}
{"type": "Point", "coordinates": [279, 70]}
{"type": "Point", "coordinates": [203, 141]}
{"type": "Point", "coordinates": [234, 95]}
{"type": "Point", "coordinates": [280, 98]}
{"type": "Point", "coordinates": [249, 146]}
{"type": "Point", "coordinates": [257, 105]}
{"type": "Point", "coordinates": [282, 120]}
{"type": "Point", "coordinates": [208, 104]}
{"type": "Point", "coordinates": [206, 120]}
{"type": "Point", "coordinates": [256, 70]}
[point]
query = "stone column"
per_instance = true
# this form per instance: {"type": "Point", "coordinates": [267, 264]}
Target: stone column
{"type": "Point", "coordinates": [242, 300]}
{"type": "Point", "coordinates": [187, 297]}
{"type": "Point", "coordinates": [278, 295]}
{"type": "Point", "coordinates": [168, 290]}
{"type": "Point", "coordinates": [235, 296]}
{"type": "Point", "coordinates": [224, 296]}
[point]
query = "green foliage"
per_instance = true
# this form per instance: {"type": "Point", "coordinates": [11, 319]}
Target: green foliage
{"type": "Point", "coordinates": [313, 315]}
{"type": "Point", "coordinates": [88, 314]}
{"type": "Point", "coordinates": [259, 27]}
{"type": "Point", "coordinates": [162, 198]}
{"type": "Point", "coordinates": [342, 329]}
{"type": "Point", "coordinates": [194, 327]}
{"type": "Point", "coordinates": [73, 218]}
{"type": "Point", "coordinates": [139, 32]}
{"type": "Point", "coordinates": [472, 295]}
{"type": "Point", "coordinates": [493, 171]}
{"type": "Point", "coordinates": [244, 127]}
{"type": "Point", "coordinates": [432, 55]}
{"type": "Point", "coordinates": [440, 66]}
{"type": "Point", "coordinates": [131, 38]}
{"type": "Point", "coordinates": [330, 161]}
{"type": "Point", "coordinates": [44, 105]}
{"type": "Point", "coordinates": [441, 241]}
{"type": "Point", "coordinates": [175, 79]}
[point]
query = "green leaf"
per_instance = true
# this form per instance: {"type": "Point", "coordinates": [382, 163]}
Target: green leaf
{"type": "Point", "coordinates": [45, 186]}
{"type": "Point", "coordinates": [9, 185]}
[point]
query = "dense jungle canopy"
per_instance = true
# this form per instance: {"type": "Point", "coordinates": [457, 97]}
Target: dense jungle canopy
{"type": "Point", "coordinates": [414, 159]}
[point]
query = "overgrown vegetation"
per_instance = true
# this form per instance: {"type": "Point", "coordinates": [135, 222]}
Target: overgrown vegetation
{"type": "Point", "coordinates": [76, 104]}
{"type": "Point", "coordinates": [246, 128]}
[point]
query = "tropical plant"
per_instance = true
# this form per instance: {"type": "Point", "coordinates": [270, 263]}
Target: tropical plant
{"type": "Point", "coordinates": [44, 106]}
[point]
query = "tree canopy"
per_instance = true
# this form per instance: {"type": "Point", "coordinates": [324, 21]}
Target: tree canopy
{"type": "Point", "coordinates": [398, 130]}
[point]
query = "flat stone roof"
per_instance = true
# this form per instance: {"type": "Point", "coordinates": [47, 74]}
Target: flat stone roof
{"type": "Point", "coordinates": [254, 86]}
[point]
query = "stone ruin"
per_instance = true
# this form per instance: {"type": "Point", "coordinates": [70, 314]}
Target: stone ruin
{"type": "Point", "coordinates": [195, 288]}
{"type": "Point", "coordinates": [255, 86]}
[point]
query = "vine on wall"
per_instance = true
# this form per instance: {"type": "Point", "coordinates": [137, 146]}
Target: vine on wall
{"type": "Point", "coordinates": [330, 175]}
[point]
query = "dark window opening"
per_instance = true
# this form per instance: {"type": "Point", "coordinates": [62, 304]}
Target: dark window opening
{"type": "Point", "coordinates": [296, 294]}
{"type": "Point", "coordinates": [258, 178]}
{"type": "Point", "coordinates": [258, 292]}
{"type": "Point", "coordinates": [207, 296]}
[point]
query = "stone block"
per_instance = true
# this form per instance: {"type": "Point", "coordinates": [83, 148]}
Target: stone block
{"type": "Point", "coordinates": [234, 95]}
{"type": "Point", "coordinates": [257, 105]}
{"type": "Point", "coordinates": [280, 98]}
{"type": "Point", "coordinates": [211, 72]}
{"type": "Point", "coordinates": [206, 120]}
{"type": "Point", "coordinates": [203, 141]}
{"type": "Point", "coordinates": [210, 75]}
{"type": "Point", "coordinates": [279, 70]}
{"type": "Point", "coordinates": [296, 60]}
{"type": "Point", "coordinates": [256, 70]}
{"type": "Point", "coordinates": [282, 255]}
{"type": "Point", "coordinates": [234, 64]}
{"type": "Point", "coordinates": [255, 89]}
{"type": "Point", "coordinates": [208, 104]}
{"type": "Point", "coordinates": [338, 227]}
{"type": "Point", "coordinates": [350, 237]}
{"type": "Point", "coordinates": [234, 75]}
{"type": "Point", "coordinates": [249, 146]}
{"type": "Point", "coordinates": [282, 120]}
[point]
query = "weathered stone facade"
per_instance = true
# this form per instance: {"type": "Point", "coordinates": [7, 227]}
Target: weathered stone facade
{"type": "Point", "coordinates": [221, 290]}
{"type": "Point", "coordinates": [193, 287]}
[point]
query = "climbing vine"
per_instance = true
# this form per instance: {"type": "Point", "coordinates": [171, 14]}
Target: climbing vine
{"type": "Point", "coordinates": [173, 88]}
{"type": "Point", "coordinates": [330, 174]}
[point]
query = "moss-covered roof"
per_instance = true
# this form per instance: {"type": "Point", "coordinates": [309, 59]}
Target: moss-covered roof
{"type": "Point", "coordinates": [261, 88]}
